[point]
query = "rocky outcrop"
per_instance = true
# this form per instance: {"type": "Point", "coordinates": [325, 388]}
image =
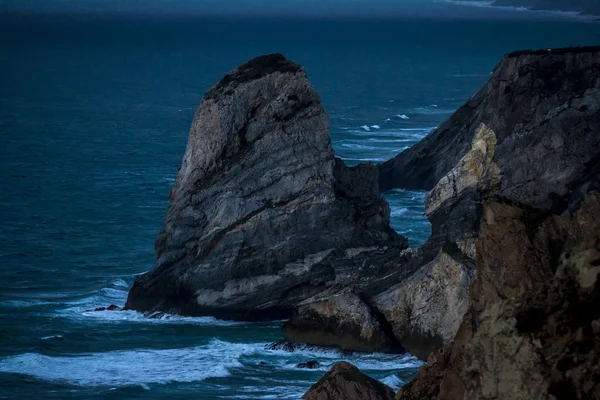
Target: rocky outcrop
{"type": "Point", "coordinates": [531, 94]}
{"type": "Point", "coordinates": [342, 320]}
{"type": "Point", "coordinates": [425, 310]}
{"type": "Point", "coordinates": [345, 381]}
{"type": "Point", "coordinates": [532, 329]}
{"type": "Point", "coordinates": [529, 331]}
{"type": "Point", "coordinates": [262, 216]}
{"type": "Point", "coordinates": [265, 223]}
{"type": "Point", "coordinates": [529, 136]}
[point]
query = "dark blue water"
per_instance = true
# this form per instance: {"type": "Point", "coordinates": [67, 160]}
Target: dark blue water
{"type": "Point", "coordinates": [94, 116]}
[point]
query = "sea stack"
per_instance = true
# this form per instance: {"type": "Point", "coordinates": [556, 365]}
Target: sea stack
{"type": "Point", "coordinates": [262, 215]}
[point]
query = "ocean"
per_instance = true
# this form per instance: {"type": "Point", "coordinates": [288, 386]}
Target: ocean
{"type": "Point", "coordinates": [94, 117]}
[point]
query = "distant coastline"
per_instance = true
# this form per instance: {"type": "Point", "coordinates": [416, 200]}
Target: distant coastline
{"type": "Point", "coordinates": [589, 8]}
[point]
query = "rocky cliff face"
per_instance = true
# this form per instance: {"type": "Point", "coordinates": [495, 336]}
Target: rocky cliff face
{"type": "Point", "coordinates": [262, 216]}
{"type": "Point", "coordinates": [531, 178]}
{"type": "Point", "coordinates": [264, 222]}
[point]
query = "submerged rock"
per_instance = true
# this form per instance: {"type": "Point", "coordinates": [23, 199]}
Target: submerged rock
{"type": "Point", "coordinates": [345, 381]}
{"type": "Point", "coordinates": [284, 345]}
{"type": "Point", "coordinates": [262, 216]}
{"type": "Point", "coordinates": [312, 364]}
{"type": "Point", "coordinates": [112, 307]}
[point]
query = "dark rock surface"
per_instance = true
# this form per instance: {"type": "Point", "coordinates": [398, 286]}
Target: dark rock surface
{"type": "Point", "coordinates": [528, 332]}
{"type": "Point", "coordinates": [262, 216]}
{"type": "Point", "coordinates": [312, 364]}
{"type": "Point", "coordinates": [345, 381]}
{"type": "Point", "coordinates": [532, 328]}
{"type": "Point", "coordinates": [343, 320]}
{"type": "Point", "coordinates": [112, 307]}
{"type": "Point", "coordinates": [531, 95]}
{"type": "Point", "coordinates": [529, 136]}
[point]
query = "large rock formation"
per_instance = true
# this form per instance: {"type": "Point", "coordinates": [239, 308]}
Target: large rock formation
{"type": "Point", "coordinates": [345, 381]}
{"type": "Point", "coordinates": [531, 178]}
{"type": "Point", "coordinates": [262, 216]}
{"type": "Point", "coordinates": [530, 136]}
{"type": "Point", "coordinates": [530, 93]}
{"type": "Point", "coordinates": [264, 222]}
{"type": "Point", "coordinates": [533, 328]}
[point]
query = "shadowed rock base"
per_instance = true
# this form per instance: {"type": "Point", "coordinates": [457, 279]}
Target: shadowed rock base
{"type": "Point", "coordinates": [345, 382]}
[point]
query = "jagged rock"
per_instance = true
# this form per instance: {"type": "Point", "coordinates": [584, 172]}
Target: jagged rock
{"type": "Point", "coordinates": [285, 345]}
{"type": "Point", "coordinates": [312, 364]}
{"type": "Point", "coordinates": [528, 136]}
{"type": "Point", "coordinates": [342, 320]}
{"type": "Point", "coordinates": [261, 216]}
{"type": "Point", "coordinates": [529, 333]}
{"type": "Point", "coordinates": [425, 310]}
{"type": "Point", "coordinates": [345, 381]}
{"type": "Point", "coordinates": [112, 307]}
{"type": "Point", "coordinates": [531, 102]}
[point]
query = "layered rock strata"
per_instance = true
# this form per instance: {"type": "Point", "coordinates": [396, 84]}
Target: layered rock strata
{"type": "Point", "coordinates": [261, 215]}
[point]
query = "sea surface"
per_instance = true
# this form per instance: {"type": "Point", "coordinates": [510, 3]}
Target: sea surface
{"type": "Point", "coordinates": [94, 118]}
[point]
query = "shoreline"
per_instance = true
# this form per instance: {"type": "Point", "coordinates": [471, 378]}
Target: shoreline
{"type": "Point", "coordinates": [571, 15]}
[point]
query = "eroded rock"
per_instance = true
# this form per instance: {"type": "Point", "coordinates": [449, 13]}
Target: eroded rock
{"type": "Point", "coordinates": [343, 320]}
{"type": "Point", "coordinates": [261, 216]}
{"type": "Point", "coordinates": [345, 381]}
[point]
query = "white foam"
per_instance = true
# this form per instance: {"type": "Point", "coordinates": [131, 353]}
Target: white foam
{"type": "Point", "coordinates": [393, 381]}
{"type": "Point", "coordinates": [132, 367]}
{"type": "Point", "coordinates": [375, 127]}
{"type": "Point", "coordinates": [366, 128]}
{"type": "Point", "coordinates": [51, 337]}
{"type": "Point", "coordinates": [402, 116]}
{"type": "Point", "coordinates": [398, 212]}
{"type": "Point", "coordinates": [137, 317]}
{"type": "Point", "coordinates": [328, 356]}
{"type": "Point", "coordinates": [377, 159]}
{"type": "Point", "coordinates": [433, 109]}
{"type": "Point", "coordinates": [117, 294]}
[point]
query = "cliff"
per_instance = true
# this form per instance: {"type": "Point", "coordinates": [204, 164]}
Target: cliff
{"type": "Point", "coordinates": [526, 151]}
{"type": "Point", "coordinates": [515, 176]}
{"type": "Point", "coordinates": [264, 222]}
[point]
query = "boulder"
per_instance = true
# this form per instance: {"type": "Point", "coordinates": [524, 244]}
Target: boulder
{"type": "Point", "coordinates": [426, 310]}
{"type": "Point", "coordinates": [261, 215]}
{"type": "Point", "coordinates": [342, 320]}
{"type": "Point", "coordinates": [345, 381]}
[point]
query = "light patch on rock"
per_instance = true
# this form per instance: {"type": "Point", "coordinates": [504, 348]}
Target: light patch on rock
{"type": "Point", "coordinates": [234, 288]}
{"type": "Point", "coordinates": [358, 250]}
{"type": "Point", "coordinates": [475, 170]}
{"type": "Point", "coordinates": [431, 302]}
{"type": "Point", "coordinates": [303, 266]}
